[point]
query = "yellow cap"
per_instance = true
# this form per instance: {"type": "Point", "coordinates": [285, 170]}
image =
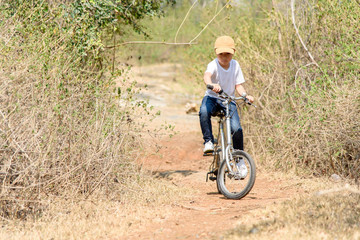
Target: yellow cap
{"type": "Point", "coordinates": [224, 44]}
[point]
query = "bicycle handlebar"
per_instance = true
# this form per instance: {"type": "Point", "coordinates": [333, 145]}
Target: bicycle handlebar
{"type": "Point", "coordinates": [211, 87]}
{"type": "Point", "coordinates": [224, 95]}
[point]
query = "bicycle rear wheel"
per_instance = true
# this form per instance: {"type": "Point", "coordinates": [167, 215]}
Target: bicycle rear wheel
{"type": "Point", "coordinates": [236, 186]}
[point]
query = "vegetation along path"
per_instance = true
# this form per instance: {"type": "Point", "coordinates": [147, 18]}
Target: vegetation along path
{"type": "Point", "coordinates": [206, 214]}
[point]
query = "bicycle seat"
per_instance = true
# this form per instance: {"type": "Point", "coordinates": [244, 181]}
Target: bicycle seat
{"type": "Point", "coordinates": [219, 114]}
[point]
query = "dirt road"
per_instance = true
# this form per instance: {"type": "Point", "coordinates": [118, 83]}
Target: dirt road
{"type": "Point", "coordinates": [207, 214]}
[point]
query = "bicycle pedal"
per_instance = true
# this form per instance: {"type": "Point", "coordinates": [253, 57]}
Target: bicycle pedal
{"type": "Point", "coordinates": [212, 178]}
{"type": "Point", "coordinates": [208, 154]}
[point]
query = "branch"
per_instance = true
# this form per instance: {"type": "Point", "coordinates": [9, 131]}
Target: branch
{"type": "Point", "coordinates": [175, 43]}
{"type": "Point", "coordinates": [298, 34]}
{"type": "Point", "coordinates": [297, 72]}
{"type": "Point", "coordinates": [210, 22]}
{"type": "Point", "coordinates": [147, 42]}
{"type": "Point", "coordinates": [184, 20]}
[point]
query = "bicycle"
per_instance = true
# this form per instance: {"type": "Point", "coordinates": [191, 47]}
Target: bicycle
{"type": "Point", "coordinates": [228, 164]}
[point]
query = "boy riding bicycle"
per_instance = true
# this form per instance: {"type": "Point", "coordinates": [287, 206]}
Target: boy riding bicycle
{"type": "Point", "coordinates": [223, 73]}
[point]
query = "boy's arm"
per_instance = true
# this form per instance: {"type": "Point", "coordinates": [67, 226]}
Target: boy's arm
{"type": "Point", "coordinates": [207, 80]}
{"type": "Point", "coordinates": [241, 90]}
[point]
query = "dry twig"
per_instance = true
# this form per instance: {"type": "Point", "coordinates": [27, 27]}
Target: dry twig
{"type": "Point", "coordinates": [148, 42]}
{"type": "Point", "coordinates": [210, 22]}
{"type": "Point", "coordinates": [175, 43]}
{"type": "Point", "coordinates": [187, 14]}
{"type": "Point", "coordinates": [298, 34]}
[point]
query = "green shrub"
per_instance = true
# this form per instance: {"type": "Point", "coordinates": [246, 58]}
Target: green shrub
{"type": "Point", "coordinates": [67, 116]}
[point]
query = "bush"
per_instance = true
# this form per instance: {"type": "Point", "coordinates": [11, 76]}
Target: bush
{"type": "Point", "coordinates": [311, 108]}
{"type": "Point", "coordinates": [66, 129]}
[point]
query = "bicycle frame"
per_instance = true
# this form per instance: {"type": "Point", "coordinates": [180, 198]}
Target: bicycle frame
{"type": "Point", "coordinates": [229, 146]}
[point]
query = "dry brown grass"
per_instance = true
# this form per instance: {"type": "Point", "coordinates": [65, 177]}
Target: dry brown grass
{"type": "Point", "coordinates": [60, 147]}
{"type": "Point", "coordinates": [99, 217]}
{"type": "Point", "coordinates": [322, 139]}
{"type": "Point", "coordinates": [68, 127]}
{"type": "Point", "coordinates": [329, 211]}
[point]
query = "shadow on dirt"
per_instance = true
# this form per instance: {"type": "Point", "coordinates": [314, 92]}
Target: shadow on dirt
{"type": "Point", "coordinates": [170, 174]}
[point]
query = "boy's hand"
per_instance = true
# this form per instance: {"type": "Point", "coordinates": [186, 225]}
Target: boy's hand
{"type": "Point", "coordinates": [216, 88]}
{"type": "Point", "coordinates": [250, 98]}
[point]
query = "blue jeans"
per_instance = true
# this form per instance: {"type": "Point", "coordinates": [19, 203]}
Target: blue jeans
{"type": "Point", "coordinates": [208, 108]}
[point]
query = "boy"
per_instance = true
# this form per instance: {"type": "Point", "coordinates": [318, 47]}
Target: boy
{"type": "Point", "coordinates": [222, 73]}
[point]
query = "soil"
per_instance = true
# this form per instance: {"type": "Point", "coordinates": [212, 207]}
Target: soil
{"type": "Point", "coordinates": [207, 214]}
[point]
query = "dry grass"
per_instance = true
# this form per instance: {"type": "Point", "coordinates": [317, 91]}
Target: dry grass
{"type": "Point", "coordinates": [99, 217]}
{"type": "Point", "coordinates": [326, 213]}
{"type": "Point", "coordinates": [68, 127]}
{"type": "Point", "coordinates": [314, 140]}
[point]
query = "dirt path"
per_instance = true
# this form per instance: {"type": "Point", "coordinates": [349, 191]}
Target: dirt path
{"type": "Point", "coordinates": [207, 215]}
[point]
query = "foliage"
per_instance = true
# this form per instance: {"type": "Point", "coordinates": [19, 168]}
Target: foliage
{"type": "Point", "coordinates": [67, 125]}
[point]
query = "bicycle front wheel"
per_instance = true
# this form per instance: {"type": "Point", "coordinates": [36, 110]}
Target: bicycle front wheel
{"type": "Point", "coordinates": [237, 182]}
{"type": "Point", "coordinates": [217, 163]}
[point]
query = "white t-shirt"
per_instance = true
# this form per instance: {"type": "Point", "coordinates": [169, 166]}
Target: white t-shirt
{"type": "Point", "coordinates": [227, 79]}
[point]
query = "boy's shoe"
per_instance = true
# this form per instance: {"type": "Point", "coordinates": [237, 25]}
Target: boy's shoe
{"type": "Point", "coordinates": [209, 147]}
{"type": "Point", "coordinates": [241, 167]}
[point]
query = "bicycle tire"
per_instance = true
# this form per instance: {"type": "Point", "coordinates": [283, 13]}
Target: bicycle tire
{"type": "Point", "coordinates": [226, 182]}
